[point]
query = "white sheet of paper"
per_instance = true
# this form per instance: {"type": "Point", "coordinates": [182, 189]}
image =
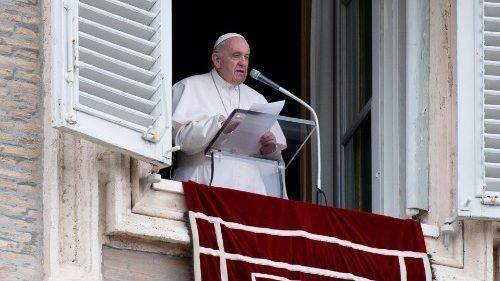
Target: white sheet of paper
{"type": "Point", "coordinates": [273, 108]}
{"type": "Point", "coordinates": [246, 137]}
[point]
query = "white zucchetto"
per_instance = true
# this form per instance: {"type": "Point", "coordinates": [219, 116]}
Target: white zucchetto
{"type": "Point", "coordinates": [225, 37]}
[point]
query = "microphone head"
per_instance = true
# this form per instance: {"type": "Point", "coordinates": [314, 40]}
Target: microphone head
{"type": "Point", "coordinates": [254, 74]}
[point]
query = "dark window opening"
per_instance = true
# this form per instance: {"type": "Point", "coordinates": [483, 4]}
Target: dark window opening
{"type": "Point", "coordinates": [273, 31]}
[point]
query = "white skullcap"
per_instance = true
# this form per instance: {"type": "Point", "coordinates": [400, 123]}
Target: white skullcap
{"type": "Point", "coordinates": [225, 37]}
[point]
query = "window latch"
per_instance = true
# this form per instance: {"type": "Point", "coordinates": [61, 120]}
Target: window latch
{"type": "Point", "coordinates": [173, 149]}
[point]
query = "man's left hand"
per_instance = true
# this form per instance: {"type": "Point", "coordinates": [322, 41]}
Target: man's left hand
{"type": "Point", "coordinates": [268, 143]}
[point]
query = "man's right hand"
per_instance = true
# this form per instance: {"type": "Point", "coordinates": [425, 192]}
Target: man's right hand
{"type": "Point", "coordinates": [234, 122]}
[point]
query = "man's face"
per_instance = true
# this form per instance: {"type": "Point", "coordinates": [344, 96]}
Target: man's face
{"type": "Point", "coordinates": [232, 61]}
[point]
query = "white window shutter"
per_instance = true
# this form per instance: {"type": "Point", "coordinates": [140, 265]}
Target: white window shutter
{"type": "Point", "coordinates": [116, 74]}
{"type": "Point", "coordinates": [478, 108]}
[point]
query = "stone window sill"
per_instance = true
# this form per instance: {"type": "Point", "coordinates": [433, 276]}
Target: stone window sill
{"type": "Point", "coordinates": [152, 212]}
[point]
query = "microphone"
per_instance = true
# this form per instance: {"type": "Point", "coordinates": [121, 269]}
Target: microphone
{"type": "Point", "coordinates": [255, 74]}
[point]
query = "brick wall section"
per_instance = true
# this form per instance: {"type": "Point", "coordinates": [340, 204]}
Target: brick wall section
{"type": "Point", "coordinates": [20, 141]}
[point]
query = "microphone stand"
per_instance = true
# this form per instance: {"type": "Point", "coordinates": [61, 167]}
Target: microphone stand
{"type": "Point", "coordinates": [255, 74]}
{"type": "Point", "coordinates": [318, 137]}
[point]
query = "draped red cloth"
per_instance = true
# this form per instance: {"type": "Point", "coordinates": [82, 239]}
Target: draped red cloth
{"type": "Point", "coordinates": [244, 236]}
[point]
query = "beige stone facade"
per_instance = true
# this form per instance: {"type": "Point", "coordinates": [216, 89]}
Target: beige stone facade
{"type": "Point", "coordinates": [21, 141]}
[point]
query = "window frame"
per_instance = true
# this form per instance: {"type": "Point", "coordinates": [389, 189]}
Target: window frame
{"type": "Point", "coordinates": [348, 129]}
{"type": "Point", "coordinates": [387, 108]}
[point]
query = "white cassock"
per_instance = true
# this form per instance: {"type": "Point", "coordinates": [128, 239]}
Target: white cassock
{"type": "Point", "coordinates": [200, 104]}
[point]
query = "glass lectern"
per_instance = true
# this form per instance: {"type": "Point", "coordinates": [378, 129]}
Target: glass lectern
{"type": "Point", "coordinates": [237, 144]}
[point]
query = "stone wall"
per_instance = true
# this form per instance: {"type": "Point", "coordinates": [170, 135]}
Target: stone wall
{"type": "Point", "coordinates": [469, 253]}
{"type": "Point", "coordinates": [130, 265]}
{"type": "Point", "coordinates": [20, 141]}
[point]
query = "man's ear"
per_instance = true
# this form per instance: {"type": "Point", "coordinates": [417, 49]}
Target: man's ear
{"type": "Point", "coordinates": [216, 60]}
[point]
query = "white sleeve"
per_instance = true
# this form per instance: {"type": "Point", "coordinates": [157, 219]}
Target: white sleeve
{"type": "Point", "coordinates": [194, 126]}
{"type": "Point", "coordinates": [196, 135]}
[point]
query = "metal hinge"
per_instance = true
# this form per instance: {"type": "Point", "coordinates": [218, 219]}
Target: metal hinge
{"type": "Point", "coordinates": [151, 135]}
{"type": "Point", "coordinates": [490, 200]}
{"type": "Point", "coordinates": [448, 229]}
{"type": "Point", "coordinates": [66, 5]}
{"type": "Point", "coordinates": [70, 118]}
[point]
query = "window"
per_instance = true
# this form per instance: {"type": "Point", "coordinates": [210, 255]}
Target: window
{"type": "Point", "coordinates": [275, 43]}
{"type": "Point", "coordinates": [355, 100]}
{"type": "Point", "coordinates": [478, 88]}
{"type": "Point", "coordinates": [112, 74]}
{"type": "Point", "coordinates": [369, 105]}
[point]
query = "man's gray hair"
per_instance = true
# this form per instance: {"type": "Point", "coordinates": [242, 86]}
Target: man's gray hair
{"type": "Point", "coordinates": [218, 48]}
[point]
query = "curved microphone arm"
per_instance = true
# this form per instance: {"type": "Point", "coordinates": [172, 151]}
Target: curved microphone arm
{"type": "Point", "coordinates": [255, 74]}
{"type": "Point", "coordinates": [318, 138]}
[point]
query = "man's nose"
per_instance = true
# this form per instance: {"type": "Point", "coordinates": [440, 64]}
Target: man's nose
{"type": "Point", "coordinates": [243, 62]}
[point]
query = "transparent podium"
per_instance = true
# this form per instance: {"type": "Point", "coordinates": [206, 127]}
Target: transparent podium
{"type": "Point", "coordinates": [236, 151]}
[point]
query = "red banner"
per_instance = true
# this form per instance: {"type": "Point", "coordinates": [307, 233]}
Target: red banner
{"type": "Point", "coordinates": [245, 236]}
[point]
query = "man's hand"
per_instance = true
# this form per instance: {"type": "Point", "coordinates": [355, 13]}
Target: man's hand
{"type": "Point", "coordinates": [233, 123]}
{"type": "Point", "coordinates": [268, 143]}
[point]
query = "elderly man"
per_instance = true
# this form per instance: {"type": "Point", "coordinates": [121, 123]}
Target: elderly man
{"type": "Point", "coordinates": [201, 103]}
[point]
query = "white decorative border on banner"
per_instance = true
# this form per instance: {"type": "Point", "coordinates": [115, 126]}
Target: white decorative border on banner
{"type": "Point", "coordinates": [197, 250]}
{"type": "Point", "coordinates": [256, 275]}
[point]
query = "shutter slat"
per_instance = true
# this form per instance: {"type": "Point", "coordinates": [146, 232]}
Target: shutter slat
{"type": "Point", "coordinates": [114, 21]}
{"type": "Point", "coordinates": [115, 66]}
{"type": "Point", "coordinates": [116, 81]}
{"type": "Point", "coordinates": [492, 53]}
{"type": "Point", "coordinates": [142, 4]}
{"type": "Point", "coordinates": [116, 110]}
{"type": "Point", "coordinates": [490, 4]}
{"type": "Point", "coordinates": [491, 140]}
{"type": "Point", "coordinates": [492, 82]}
{"type": "Point", "coordinates": [492, 111]}
{"type": "Point", "coordinates": [492, 23]}
{"type": "Point", "coordinates": [116, 96]}
{"type": "Point", "coordinates": [492, 155]}
{"type": "Point", "coordinates": [492, 170]}
{"type": "Point", "coordinates": [492, 67]}
{"type": "Point", "coordinates": [492, 38]}
{"type": "Point", "coordinates": [491, 9]}
{"type": "Point", "coordinates": [123, 9]}
{"type": "Point", "coordinates": [493, 184]}
{"type": "Point", "coordinates": [116, 51]}
{"type": "Point", "coordinates": [491, 97]}
{"type": "Point", "coordinates": [116, 36]}
{"type": "Point", "coordinates": [492, 126]}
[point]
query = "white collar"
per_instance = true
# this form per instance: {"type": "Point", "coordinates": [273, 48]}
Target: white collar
{"type": "Point", "coordinates": [221, 82]}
